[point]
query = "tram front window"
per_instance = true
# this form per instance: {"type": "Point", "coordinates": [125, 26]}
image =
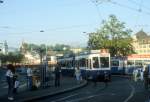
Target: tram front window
{"type": "Point", "coordinates": [115, 63]}
{"type": "Point", "coordinates": [104, 62]}
{"type": "Point", "coordinates": [95, 62]}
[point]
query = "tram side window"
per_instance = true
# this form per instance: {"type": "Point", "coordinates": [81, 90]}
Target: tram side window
{"type": "Point", "coordinates": [76, 63]}
{"type": "Point", "coordinates": [95, 62]}
{"type": "Point", "coordinates": [104, 62]}
{"type": "Point", "coordinates": [130, 63]}
{"type": "Point", "coordinates": [138, 63]}
{"type": "Point", "coordinates": [114, 63]}
{"type": "Point", "coordinates": [62, 64]}
{"type": "Point", "coordinates": [68, 64]}
{"type": "Point", "coordinates": [82, 62]}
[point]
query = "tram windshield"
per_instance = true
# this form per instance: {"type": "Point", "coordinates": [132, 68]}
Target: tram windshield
{"type": "Point", "coordinates": [114, 63]}
{"type": "Point", "coordinates": [95, 62]}
{"type": "Point", "coordinates": [104, 62]}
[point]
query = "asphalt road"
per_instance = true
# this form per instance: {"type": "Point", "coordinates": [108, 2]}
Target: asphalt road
{"type": "Point", "coordinates": [119, 90]}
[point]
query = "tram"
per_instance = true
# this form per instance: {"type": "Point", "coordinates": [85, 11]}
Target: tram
{"type": "Point", "coordinates": [67, 65]}
{"type": "Point", "coordinates": [93, 64]}
{"type": "Point", "coordinates": [128, 64]}
{"type": "Point", "coordinates": [118, 66]}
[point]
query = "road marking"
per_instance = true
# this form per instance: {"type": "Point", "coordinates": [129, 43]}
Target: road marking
{"type": "Point", "coordinates": [131, 94]}
{"type": "Point", "coordinates": [64, 98]}
{"type": "Point", "coordinates": [88, 97]}
{"type": "Point", "coordinates": [20, 86]}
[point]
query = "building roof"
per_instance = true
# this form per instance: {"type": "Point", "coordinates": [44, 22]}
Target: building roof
{"type": "Point", "coordinates": [142, 35]}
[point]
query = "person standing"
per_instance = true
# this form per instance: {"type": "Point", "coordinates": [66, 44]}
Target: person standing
{"type": "Point", "coordinates": [135, 75]}
{"type": "Point", "coordinates": [146, 80]}
{"type": "Point", "coordinates": [57, 75]}
{"type": "Point", "coordinates": [9, 76]}
{"type": "Point", "coordinates": [29, 78]}
{"type": "Point", "coordinates": [78, 74]}
{"type": "Point", "coordinates": [141, 75]}
{"type": "Point", "coordinates": [16, 84]}
{"type": "Point", "coordinates": [106, 78]}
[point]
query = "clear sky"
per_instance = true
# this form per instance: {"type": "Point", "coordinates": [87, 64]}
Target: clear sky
{"type": "Point", "coordinates": [64, 21]}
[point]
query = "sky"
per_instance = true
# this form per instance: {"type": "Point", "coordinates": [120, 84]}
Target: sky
{"type": "Point", "coordinates": [66, 21]}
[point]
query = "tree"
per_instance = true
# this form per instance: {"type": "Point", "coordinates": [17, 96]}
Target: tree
{"type": "Point", "coordinates": [12, 57]}
{"type": "Point", "coordinates": [113, 36]}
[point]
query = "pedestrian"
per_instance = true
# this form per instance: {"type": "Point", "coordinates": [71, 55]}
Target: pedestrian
{"type": "Point", "coordinates": [135, 75]}
{"type": "Point", "coordinates": [16, 84]}
{"type": "Point", "coordinates": [57, 75]}
{"type": "Point", "coordinates": [9, 76]}
{"type": "Point", "coordinates": [141, 75]}
{"type": "Point", "coordinates": [29, 78]}
{"type": "Point", "coordinates": [146, 80]}
{"type": "Point", "coordinates": [78, 74]}
{"type": "Point", "coordinates": [94, 78]}
{"type": "Point", "coordinates": [106, 78]}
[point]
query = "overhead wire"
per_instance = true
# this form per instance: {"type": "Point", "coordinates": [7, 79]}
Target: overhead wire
{"type": "Point", "coordinates": [136, 3]}
{"type": "Point", "coordinates": [97, 9]}
{"type": "Point", "coordinates": [55, 29]}
{"type": "Point", "coordinates": [128, 7]}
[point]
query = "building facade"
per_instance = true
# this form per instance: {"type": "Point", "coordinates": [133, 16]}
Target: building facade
{"type": "Point", "coordinates": [141, 42]}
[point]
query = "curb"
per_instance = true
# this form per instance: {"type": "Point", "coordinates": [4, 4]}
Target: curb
{"type": "Point", "coordinates": [123, 76]}
{"type": "Point", "coordinates": [55, 93]}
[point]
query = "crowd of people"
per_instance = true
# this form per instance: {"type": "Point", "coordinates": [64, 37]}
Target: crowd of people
{"type": "Point", "coordinates": [13, 82]}
{"type": "Point", "coordinates": [138, 74]}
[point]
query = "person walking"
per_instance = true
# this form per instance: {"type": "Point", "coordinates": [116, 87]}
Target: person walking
{"type": "Point", "coordinates": [78, 74]}
{"type": "Point", "coordinates": [141, 75]}
{"type": "Point", "coordinates": [16, 84]}
{"type": "Point", "coordinates": [106, 78]}
{"type": "Point", "coordinates": [29, 78]}
{"type": "Point", "coordinates": [146, 80]}
{"type": "Point", "coordinates": [57, 75]}
{"type": "Point", "coordinates": [135, 75]}
{"type": "Point", "coordinates": [9, 76]}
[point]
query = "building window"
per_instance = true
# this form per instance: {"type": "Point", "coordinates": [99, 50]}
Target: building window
{"type": "Point", "coordinates": [144, 46]}
{"type": "Point", "coordinates": [140, 46]}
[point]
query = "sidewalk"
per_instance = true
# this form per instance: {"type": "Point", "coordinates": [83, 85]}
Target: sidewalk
{"type": "Point", "coordinates": [67, 84]}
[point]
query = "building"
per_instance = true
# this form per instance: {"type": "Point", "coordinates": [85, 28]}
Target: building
{"type": "Point", "coordinates": [76, 50]}
{"type": "Point", "coordinates": [141, 42]}
{"type": "Point", "coordinates": [4, 48]}
{"type": "Point", "coordinates": [141, 45]}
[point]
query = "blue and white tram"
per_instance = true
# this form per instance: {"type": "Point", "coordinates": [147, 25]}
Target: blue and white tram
{"type": "Point", "coordinates": [67, 65]}
{"type": "Point", "coordinates": [94, 65]}
{"type": "Point", "coordinates": [117, 66]}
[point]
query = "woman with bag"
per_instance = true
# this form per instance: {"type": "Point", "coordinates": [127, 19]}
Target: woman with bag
{"type": "Point", "coordinates": [9, 76]}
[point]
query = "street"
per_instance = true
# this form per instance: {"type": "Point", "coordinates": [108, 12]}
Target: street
{"type": "Point", "coordinates": [119, 90]}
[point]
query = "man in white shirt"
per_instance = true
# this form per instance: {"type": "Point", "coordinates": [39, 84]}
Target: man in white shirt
{"type": "Point", "coordinates": [9, 76]}
{"type": "Point", "coordinates": [29, 78]}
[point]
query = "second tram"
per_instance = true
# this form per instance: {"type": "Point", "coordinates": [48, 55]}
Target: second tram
{"type": "Point", "coordinates": [93, 64]}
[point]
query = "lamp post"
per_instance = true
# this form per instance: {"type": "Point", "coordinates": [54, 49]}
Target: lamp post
{"type": "Point", "coordinates": [42, 71]}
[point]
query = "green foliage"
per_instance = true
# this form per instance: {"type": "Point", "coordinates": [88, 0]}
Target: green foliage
{"type": "Point", "coordinates": [112, 35]}
{"type": "Point", "coordinates": [41, 49]}
{"type": "Point", "coordinates": [12, 57]}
